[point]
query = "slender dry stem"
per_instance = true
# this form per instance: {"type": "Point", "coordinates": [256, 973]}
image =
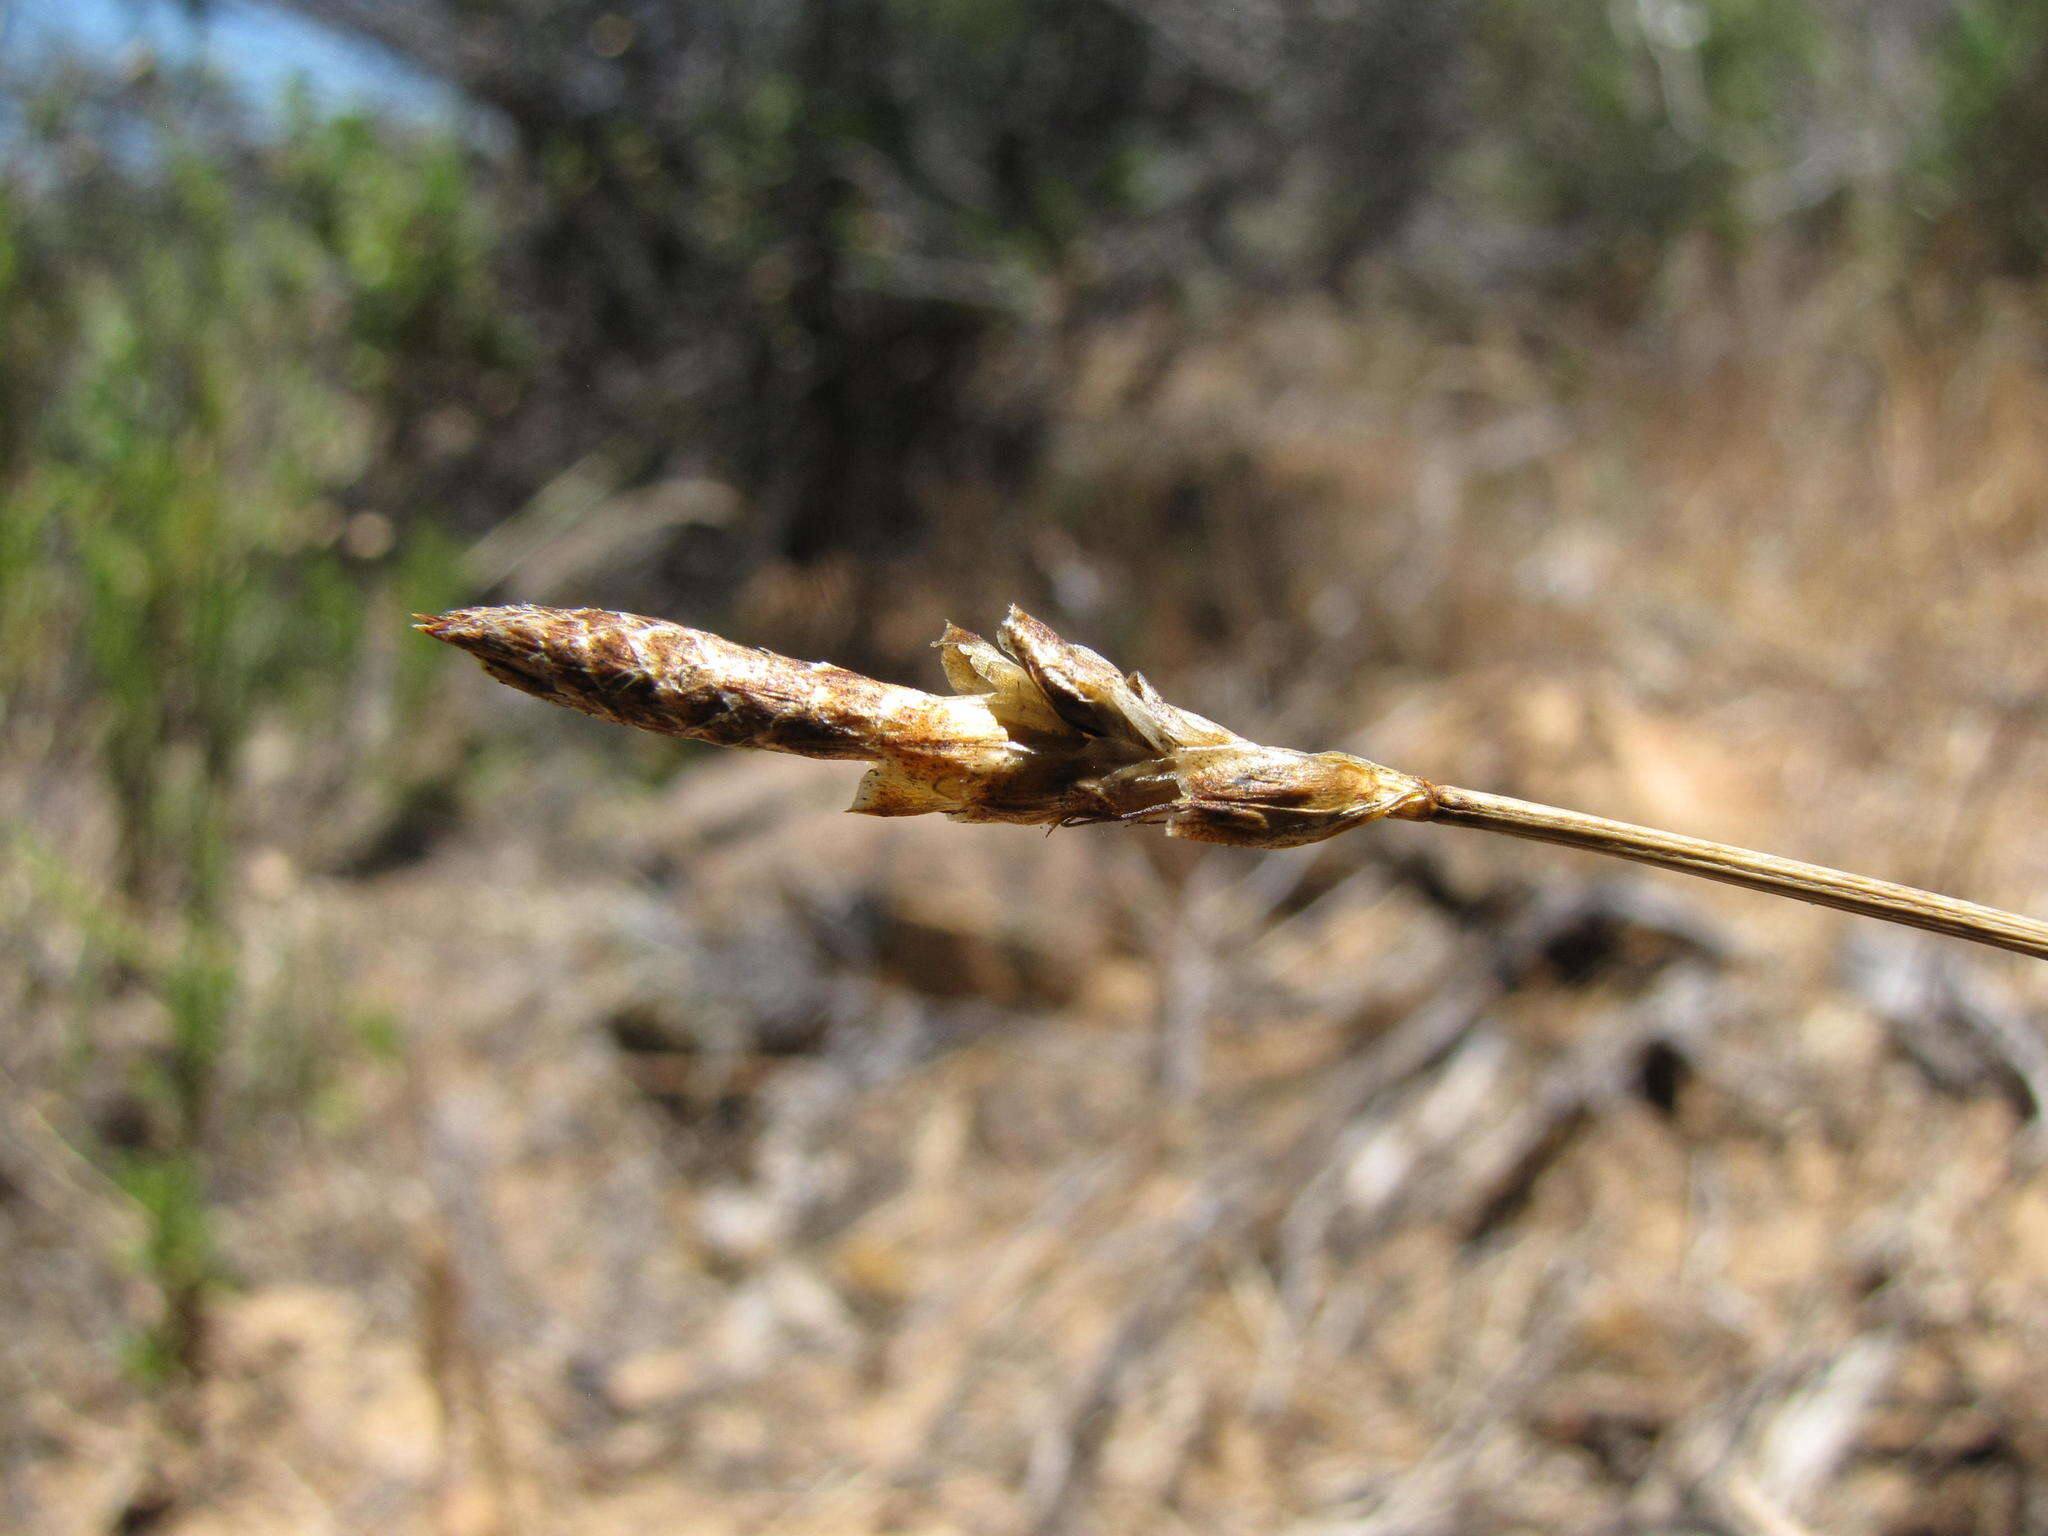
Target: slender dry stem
{"type": "Point", "coordinates": [1740, 866]}
{"type": "Point", "coordinates": [1042, 732]}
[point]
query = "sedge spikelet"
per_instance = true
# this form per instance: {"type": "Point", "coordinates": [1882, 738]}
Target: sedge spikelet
{"type": "Point", "coordinates": [1038, 731]}
{"type": "Point", "coordinates": [1042, 732]}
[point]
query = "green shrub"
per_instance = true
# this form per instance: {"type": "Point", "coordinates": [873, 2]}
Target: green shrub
{"type": "Point", "coordinates": [211, 339]}
{"type": "Point", "coordinates": [1983, 170]}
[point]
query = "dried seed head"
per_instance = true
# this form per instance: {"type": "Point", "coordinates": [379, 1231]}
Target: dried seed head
{"type": "Point", "coordinates": [1038, 732]}
{"type": "Point", "coordinates": [677, 681]}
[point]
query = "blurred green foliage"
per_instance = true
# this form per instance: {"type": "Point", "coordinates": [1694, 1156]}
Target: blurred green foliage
{"type": "Point", "coordinates": [208, 338]}
{"type": "Point", "coordinates": [1984, 158]}
{"type": "Point", "coordinates": [775, 242]}
{"type": "Point", "coordinates": [1617, 127]}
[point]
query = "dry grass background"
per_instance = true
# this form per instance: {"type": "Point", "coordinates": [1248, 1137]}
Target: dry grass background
{"type": "Point", "coordinates": [698, 1158]}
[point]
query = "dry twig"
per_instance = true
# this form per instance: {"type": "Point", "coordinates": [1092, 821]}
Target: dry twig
{"type": "Point", "coordinates": [1044, 732]}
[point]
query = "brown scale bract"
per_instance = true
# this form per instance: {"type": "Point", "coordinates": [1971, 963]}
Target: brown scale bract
{"type": "Point", "coordinates": [1038, 731]}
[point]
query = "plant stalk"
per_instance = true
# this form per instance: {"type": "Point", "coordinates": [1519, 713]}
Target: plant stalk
{"type": "Point", "coordinates": [1739, 866]}
{"type": "Point", "coordinates": [1042, 732]}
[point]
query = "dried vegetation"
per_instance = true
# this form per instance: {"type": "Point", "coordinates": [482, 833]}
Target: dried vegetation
{"type": "Point", "coordinates": [1039, 733]}
{"type": "Point", "coordinates": [1044, 732]}
{"type": "Point", "coordinates": [718, 1162]}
